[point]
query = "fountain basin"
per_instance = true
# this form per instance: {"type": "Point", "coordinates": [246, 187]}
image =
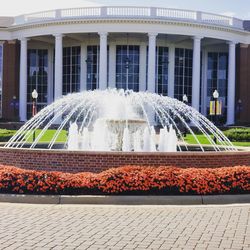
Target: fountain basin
{"type": "Point", "coordinates": [80, 161]}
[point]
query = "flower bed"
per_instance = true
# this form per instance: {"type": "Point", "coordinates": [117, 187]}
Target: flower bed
{"type": "Point", "coordinates": [128, 180]}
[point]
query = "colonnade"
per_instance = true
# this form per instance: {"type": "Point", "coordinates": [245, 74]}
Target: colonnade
{"type": "Point", "coordinates": [152, 38]}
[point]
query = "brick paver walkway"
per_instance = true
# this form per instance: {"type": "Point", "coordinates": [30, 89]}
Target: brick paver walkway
{"type": "Point", "coordinates": [124, 227]}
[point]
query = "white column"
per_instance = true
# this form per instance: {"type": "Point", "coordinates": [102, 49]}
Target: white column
{"type": "Point", "coordinates": [171, 68]}
{"type": "Point", "coordinates": [143, 68]}
{"type": "Point", "coordinates": [58, 65]}
{"type": "Point", "coordinates": [112, 66]}
{"type": "Point", "coordinates": [50, 74]}
{"type": "Point", "coordinates": [23, 80]}
{"type": "Point", "coordinates": [103, 60]}
{"type": "Point", "coordinates": [83, 77]}
{"type": "Point", "coordinates": [151, 61]}
{"type": "Point", "coordinates": [231, 85]}
{"type": "Point", "coordinates": [204, 83]}
{"type": "Point", "coordinates": [196, 73]}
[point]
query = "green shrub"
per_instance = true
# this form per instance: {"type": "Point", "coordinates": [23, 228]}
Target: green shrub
{"type": "Point", "coordinates": [238, 134]}
{"type": "Point", "coordinates": [6, 134]}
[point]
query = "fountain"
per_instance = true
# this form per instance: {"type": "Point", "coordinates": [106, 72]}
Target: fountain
{"type": "Point", "coordinates": [118, 120]}
{"type": "Point", "coordinates": [73, 137]}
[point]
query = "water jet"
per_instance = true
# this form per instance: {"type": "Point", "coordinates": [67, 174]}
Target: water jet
{"type": "Point", "coordinates": [118, 120]}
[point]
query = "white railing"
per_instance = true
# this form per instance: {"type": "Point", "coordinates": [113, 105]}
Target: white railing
{"type": "Point", "coordinates": [130, 13]}
{"type": "Point", "coordinates": [46, 15]}
{"type": "Point", "coordinates": [80, 12]}
{"type": "Point", "coordinates": [176, 14]}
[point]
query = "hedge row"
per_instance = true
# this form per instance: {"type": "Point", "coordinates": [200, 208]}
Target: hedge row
{"type": "Point", "coordinates": [128, 180]}
{"type": "Point", "coordinates": [238, 134]}
{"type": "Point", "coordinates": [6, 134]}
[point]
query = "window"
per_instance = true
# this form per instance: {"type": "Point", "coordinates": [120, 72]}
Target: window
{"type": "Point", "coordinates": [162, 72]}
{"type": "Point", "coordinates": [37, 78]}
{"type": "Point", "coordinates": [71, 69]}
{"type": "Point", "coordinates": [127, 67]}
{"type": "Point", "coordinates": [217, 77]}
{"type": "Point", "coordinates": [183, 73]}
{"type": "Point", "coordinates": [161, 69]}
{"type": "Point", "coordinates": [93, 67]}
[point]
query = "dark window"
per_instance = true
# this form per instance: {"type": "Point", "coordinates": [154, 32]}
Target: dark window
{"type": "Point", "coordinates": [161, 69]}
{"type": "Point", "coordinates": [183, 73]}
{"type": "Point", "coordinates": [71, 69]}
{"type": "Point", "coordinates": [92, 67]}
{"type": "Point", "coordinates": [37, 78]}
{"type": "Point", "coordinates": [217, 78]}
{"type": "Point", "coordinates": [127, 67]}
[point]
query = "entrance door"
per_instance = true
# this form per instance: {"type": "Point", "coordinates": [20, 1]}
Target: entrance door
{"type": "Point", "coordinates": [127, 67]}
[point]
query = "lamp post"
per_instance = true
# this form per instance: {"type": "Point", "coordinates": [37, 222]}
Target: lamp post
{"type": "Point", "coordinates": [239, 108]}
{"type": "Point", "coordinates": [34, 95]}
{"type": "Point", "coordinates": [14, 104]}
{"type": "Point", "coordinates": [89, 64]}
{"type": "Point", "coordinates": [88, 60]}
{"type": "Point", "coordinates": [185, 101]}
{"type": "Point", "coordinates": [163, 63]}
{"type": "Point", "coordinates": [127, 62]}
{"type": "Point", "coordinates": [215, 96]}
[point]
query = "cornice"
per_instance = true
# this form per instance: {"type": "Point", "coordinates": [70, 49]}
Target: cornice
{"type": "Point", "coordinates": [117, 21]}
{"type": "Point", "coordinates": [244, 46]}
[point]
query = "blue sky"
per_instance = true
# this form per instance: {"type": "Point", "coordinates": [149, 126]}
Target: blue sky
{"type": "Point", "coordinates": [237, 8]}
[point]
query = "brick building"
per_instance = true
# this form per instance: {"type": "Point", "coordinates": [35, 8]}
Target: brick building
{"type": "Point", "coordinates": [170, 52]}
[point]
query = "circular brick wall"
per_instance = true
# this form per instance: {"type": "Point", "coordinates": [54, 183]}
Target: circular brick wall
{"type": "Point", "coordinates": [74, 161]}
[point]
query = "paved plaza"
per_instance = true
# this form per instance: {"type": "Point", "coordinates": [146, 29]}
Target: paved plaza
{"type": "Point", "coordinates": [24, 226]}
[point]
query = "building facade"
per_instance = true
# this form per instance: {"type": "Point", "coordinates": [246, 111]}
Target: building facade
{"type": "Point", "coordinates": [166, 51]}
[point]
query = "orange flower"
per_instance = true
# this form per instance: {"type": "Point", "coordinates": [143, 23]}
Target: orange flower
{"type": "Point", "coordinates": [165, 180]}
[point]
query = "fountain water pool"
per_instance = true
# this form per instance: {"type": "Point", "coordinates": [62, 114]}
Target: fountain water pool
{"type": "Point", "coordinates": [118, 120]}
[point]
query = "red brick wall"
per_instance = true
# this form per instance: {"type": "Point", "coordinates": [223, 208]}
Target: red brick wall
{"type": "Point", "coordinates": [10, 79]}
{"type": "Point", "coordinates": [243, 82]}
{"type": "Point", "coordinates": [98, 161]}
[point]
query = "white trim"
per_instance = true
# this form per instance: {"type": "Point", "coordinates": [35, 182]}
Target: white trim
{"type": "Point", "coordinates": [58, 66]}
{"type": "Point", "coordinates": [112, 65]}
{"type": "Point", "coordinates": [196, 73]}
{"type": "Point", "coordinates": [143, 67]}
{"type": "Point", "coordinates": [103, 64]}
{"type": "Point", "coordinates": [5, 35]}
{"type": "Point", "coordinates": [23, 80]}
{"type": "Point", "coordinates": [129, 12]}
{"type": "Point", "coordinates": [83, 75]}
{"type": "Point", "coordinates": [231, 83]}
{"type": "Point", "coordinates": [50, 74]}
{"type": "Point", "coordinates": [171, 70]}
{"type": "Point", "coordinates": [132, 26]}
{"type": "Point", "coordinates": [152, 37]}
{"type": "Point", "coordinates": [204, 83]}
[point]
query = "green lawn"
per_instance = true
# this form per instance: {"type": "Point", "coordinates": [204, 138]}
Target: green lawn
{"type": "Point", "coordinates": [48, 135]}
{"type": "Point", "coordinates": [191, 140]}
{"type": "Point", "coordinates": [203, 140]}
{"type": "Point", "coordinates": [241, 144]}
{"type": "Point", "coordinates": [5, 135]}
